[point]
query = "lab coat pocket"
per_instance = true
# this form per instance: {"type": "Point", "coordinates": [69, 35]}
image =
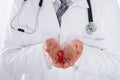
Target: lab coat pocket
{"type": "Point", "coordinates": [93, 34]}
{"type": "Point", "coordinates": [26, 17]}
{"type": "Point", "coordinates": [95, 38]}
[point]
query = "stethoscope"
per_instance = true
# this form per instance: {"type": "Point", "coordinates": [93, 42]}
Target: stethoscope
{"type": "Point", "coordinates": [90, 28]}
{"type": "Point", "coordinates": [20, 10]}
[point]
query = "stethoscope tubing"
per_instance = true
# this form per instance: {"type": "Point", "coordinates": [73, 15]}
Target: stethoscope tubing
{"type": "Point", "coordinates": [20, 29]}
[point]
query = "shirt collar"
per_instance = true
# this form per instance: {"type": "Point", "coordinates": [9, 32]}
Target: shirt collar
{"type": "Point", "coordinates": [82, 3]}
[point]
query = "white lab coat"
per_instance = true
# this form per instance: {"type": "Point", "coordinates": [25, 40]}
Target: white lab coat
{"type": "Point", "coordinates": [23, 55]}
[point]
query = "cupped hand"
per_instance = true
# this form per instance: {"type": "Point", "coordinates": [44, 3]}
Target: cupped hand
{"type": "Point", "coordinates": [72, 52]}
{"type": "Point", "coordinates": [51, 48]}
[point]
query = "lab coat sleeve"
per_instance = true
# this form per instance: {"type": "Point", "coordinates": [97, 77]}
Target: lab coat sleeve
{"type": "Point", "coordinates": [104, 62]}
{"type": "Point", "coordinates": [18, 58]}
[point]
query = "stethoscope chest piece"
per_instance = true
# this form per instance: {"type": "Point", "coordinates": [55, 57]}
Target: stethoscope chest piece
{"type": "Point", "coordinates": [91, 28]}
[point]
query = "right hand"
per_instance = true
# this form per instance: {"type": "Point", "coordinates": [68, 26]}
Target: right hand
{"type": "Point", "coordinates": [72, 52]}
{"type": "Point", "coordinates": [51, 48]}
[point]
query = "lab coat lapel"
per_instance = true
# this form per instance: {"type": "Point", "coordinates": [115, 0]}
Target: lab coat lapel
{"type": "Point", "coordinates": [76, 3]}
{"type": "Point", "coordinates": [50, 14]}
{"type": "Point", "coordinates": [74, 20]}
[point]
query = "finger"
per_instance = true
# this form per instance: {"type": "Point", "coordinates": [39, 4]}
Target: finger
{"type": "Point", "coordinates": [52, 46]}
{"type": "Point", "coordinates": [79, 47]}
{"type": "Point", "coordinates": [56, 63]}
{"type": "Point", "coordinates": [50, 43]}
{"type": "Point", "coordinates": [74, 45]}
{"type": "Point", "coordinates": [45, 48]}
{"type": "Point", "coordinates": [59, 65]}
{"type": "Point", "coordinates": [47, 43]}
{"type": "Point", "coordinates": [49, 52]}
{"type": "Point", "coordinates": [73, 60]}
{"type": "Point", "coordinates": [66, 64]}
{"type": "Point", "coordinates": [79, 50]}
{"type": "Point", "coordinates": [52, 61]}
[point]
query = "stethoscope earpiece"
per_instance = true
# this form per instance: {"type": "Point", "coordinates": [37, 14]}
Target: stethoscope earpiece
{"type": "Point", "coordinates": [40, 3]}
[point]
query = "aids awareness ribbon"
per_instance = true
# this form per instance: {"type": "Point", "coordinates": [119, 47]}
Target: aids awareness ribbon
{"type": "Point", "coordinates": [60, 56]}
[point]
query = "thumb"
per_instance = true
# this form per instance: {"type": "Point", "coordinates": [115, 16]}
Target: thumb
{"type": "Point", "coordinates": [80, 47]}
{"type": "Point", "coordinates": [45, 47]}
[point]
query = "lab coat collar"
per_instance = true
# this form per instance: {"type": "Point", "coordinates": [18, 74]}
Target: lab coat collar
{"type": "Point", "coordinates": [82, 3]}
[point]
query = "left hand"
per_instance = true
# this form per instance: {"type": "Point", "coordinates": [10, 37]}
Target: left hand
{"type": "Point", "coordinates": [51, 48]}
{"type": "Point", "coordinates": [72, 52]}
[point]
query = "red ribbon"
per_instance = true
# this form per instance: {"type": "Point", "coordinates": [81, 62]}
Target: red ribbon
{"type": "Point", "coordinates": [60, 56]}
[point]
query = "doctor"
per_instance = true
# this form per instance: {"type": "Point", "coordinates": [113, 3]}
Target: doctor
{"type": "Point", "coordinates": [37, 31]}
